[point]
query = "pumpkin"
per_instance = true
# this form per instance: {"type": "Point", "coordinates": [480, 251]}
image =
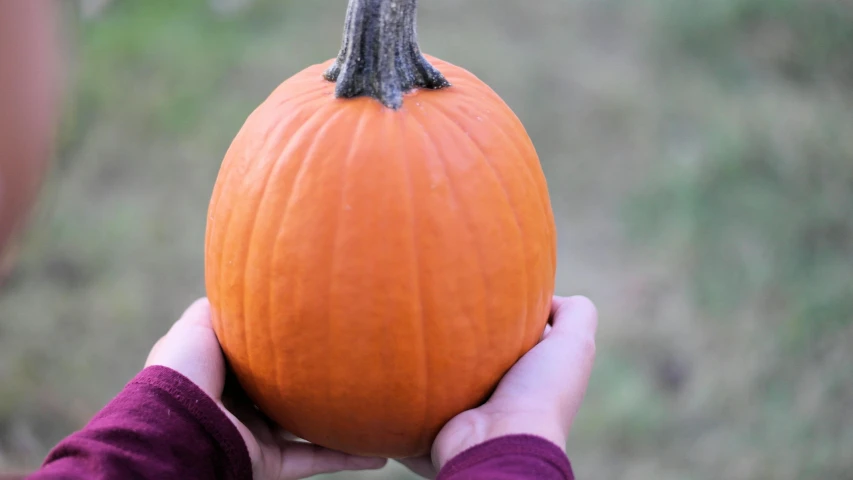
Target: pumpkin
{"type": "Point", "coordinates": [380, 246]}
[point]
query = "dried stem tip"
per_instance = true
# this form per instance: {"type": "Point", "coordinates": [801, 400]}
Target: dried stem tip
{"type": "Point", "coordinates": [380, 56]}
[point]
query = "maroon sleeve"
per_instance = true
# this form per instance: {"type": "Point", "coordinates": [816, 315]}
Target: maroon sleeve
{"type": "Point", "coordinates": [161, 426]}
{"type": "Point", "coordinates": [514, 457]}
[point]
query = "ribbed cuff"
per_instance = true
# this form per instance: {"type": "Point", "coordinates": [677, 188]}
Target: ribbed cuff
{"type": "Point", "coordinates": [519, 445]}
{"type": "Point", "coordinates": [205, 410]}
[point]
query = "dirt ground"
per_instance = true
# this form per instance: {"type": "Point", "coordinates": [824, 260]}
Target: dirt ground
{"type": "Point", "coordinates": [707, 368]}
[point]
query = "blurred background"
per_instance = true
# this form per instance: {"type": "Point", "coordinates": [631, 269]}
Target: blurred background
{"type": "Point", "coordinates": [700, 160]}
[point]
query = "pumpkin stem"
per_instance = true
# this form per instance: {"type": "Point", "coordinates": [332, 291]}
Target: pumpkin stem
{"type": "Point", "coordinates": [380, 56]}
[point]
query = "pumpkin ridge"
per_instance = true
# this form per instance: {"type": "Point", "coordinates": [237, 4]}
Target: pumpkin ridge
{"type": "Point", "coordinates": [226, 169]}
{"type": "Point", "coordinates": [225, 172]}
{"type": "Point", "coordinates": [226, 184]}
{"type": "Point", "coordinates": [467, 224]}
{"type": "Point", "coordinates": [512, 140]}
{"type": "Point", "coordinates": [294, 190]}
{"type": "Point", "coordinates": [333, 263]}
{"type": "Point", "coordinates": [419, 290]}
{"type": "Point", "coordinates": [531, 170]}
{"type": "Point", "coordinates": [218, 189]}
{"type": "Point", "coordinates": [537, 179]}
{"type": "Point", "coordinates": [252, 228]}
{"type": "Point", "coordinates": [462, 132]}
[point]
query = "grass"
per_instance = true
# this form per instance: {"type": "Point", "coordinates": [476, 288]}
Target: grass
{"type": "Point", "coordinates": [700, 165]}
{"type": "Point", "coordinates": [760, 221]}
{"type": "Point", "coordinates": [758, 211]}
{"type": "Point", "coordinates": [801, 41]}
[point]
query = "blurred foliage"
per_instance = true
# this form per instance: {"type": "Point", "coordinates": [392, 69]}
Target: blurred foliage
{"type": "Point", "coordinates": [135, 51]}
{"type": "Point", "coordinates": [755, 203]}
{"type": "Point", "coordinates": [767, 207]}
{"type": "Point", "coordinates": [802, 40]}
{"type": "Point", "coordinates": [758, 221]}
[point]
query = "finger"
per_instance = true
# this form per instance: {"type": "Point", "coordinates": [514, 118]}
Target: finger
{"type": "Point", "coordinates": [237, 401]}
{"type": "Point", "coordinates": [571, 343]}
{"type": "Point", "coordinates": [575, 316]}
{"type": "Point", "coordinates": [251, 417]}
{"type": "Point", "coordinates": [232, 392]}
{"type": "Point", "coordinates": [198, 313]}
{"type": "Point", "coordinates": [300, 460]}
{"type": "Point", "coordinates": [556, 371]}
{"type": "Point", "coordinates": [422, 466]}
{"type": "Point", "coordinates": [572, 338]}
{"type": "Point", "coordinates": [262, 427]}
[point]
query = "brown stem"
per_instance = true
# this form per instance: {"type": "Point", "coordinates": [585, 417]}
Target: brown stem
{"type": "Point", "coordinates": [380, 56]}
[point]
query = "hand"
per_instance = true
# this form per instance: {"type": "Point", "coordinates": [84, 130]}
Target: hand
{"type": "Point", "coordinates": [540, 395]}
{"type": "Point", "coordinates": [192, 349]}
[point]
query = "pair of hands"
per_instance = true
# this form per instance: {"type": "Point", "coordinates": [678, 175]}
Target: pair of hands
{"type": "Point", "coordinates": [540, 396]}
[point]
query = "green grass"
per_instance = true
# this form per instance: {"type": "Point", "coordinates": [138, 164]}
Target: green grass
{"type": "Point", "coordinates": [162, 61]}
{"type": "Point", "coordinates": [801, 41]}
{"type": "Point", "coordinates": [756, 206]}
{"type": "Point", "coordinates": [759, 220]}
{"type": "Point", "coordinates": [768, 229]}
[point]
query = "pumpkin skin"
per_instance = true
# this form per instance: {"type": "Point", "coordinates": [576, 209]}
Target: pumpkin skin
{"type": "Point", "coordinates": [374, 272]}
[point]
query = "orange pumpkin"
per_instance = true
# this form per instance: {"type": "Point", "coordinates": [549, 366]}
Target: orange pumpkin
{"type": "Point", "coordinates": [380, 246]}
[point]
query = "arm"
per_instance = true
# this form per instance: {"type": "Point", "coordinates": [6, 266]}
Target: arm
{"type": "Point", "coordinates": [171, 422]}
{"type": "Point", "coordinates": [512, 457]}
{"type": "Point", "coordinates": [160, 426]}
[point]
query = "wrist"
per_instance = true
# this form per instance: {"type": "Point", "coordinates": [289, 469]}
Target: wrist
{"type": "Point", "coordinates": [528, 425]}
{"type": "Point", "coordinates": [484, 424]}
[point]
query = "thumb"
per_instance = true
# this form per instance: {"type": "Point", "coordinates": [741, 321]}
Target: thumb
{"type": "Point", "coordinates": [192, 349]}
{"type": "Point", "coordinates": [557, 370]}
{"type": "Point", "coordinates": [571, 344]}
{"type": "Point", "coordinates": [577, 318]}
